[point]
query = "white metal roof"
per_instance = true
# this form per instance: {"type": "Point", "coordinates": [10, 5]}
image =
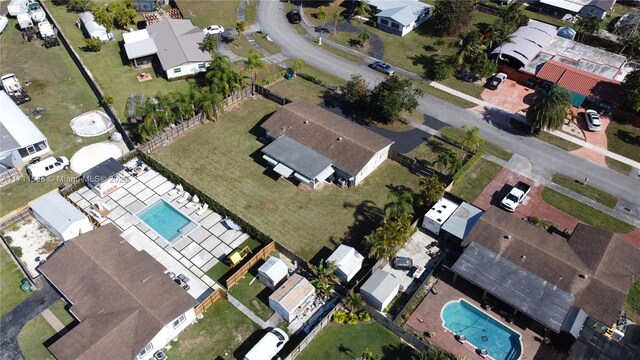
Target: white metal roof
{"type": "Point", "coordinates": [403, 12]}
{"type": "Point", "coordinates": [17, 129]}
{"type": "Point", "coordinates": [346, 258]}
{"type": "Point", "coordinates": [274, 268]}
{"type": "Point", "coordinates": [462, 220]}
{"type": "Point", "coordinates": [380, 285]}
{"type": "Point", "coordinates": [441, 211]}
{"type": "Point", "coordinates": [140, 48]}
{"type": "Point", "coordinates": [56, 211]}
{"type": "Point", "coordinates": [573, 6]}
{"type": "Point", "coordinates": [133, 36]}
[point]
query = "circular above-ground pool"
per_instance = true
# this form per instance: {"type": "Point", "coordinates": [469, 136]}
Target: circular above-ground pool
{"type": "Point", "coordinates": [481, 330]}
{"type": "Point", "coordinates": [92, 123]}
{"type": "Point", "coordinates": [92, 155]}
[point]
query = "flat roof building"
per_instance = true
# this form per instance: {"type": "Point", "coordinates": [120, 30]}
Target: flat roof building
{"type": "Point", "coordinates": [273, 272]}
{"type": "Point", "coordinates": [348, 262]}
{"type": "Point", "coordinates": [293, 297]}
{"type": "Point", "coordinates": [380, 289]}
{"type": "Point", "coordinates": [58, 215]}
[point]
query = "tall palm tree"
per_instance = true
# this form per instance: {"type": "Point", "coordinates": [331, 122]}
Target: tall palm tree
{"type": "Point", "coordinates": [254, 64]}
{"type": "Point", "coordinates": [469, 46]}
{"type": "Point", "coordinates": [438, 354]}
{"type": "Point", "coordinates": [400, 203]}
{"type": "Point", "coordinates": [378, 245]}
{"type": "Point", "coordinates": [323, 277]}
{"type": "Point", "coordinates": [335, 19]}
{"type": "Point", "coordinates": [297, 65]}
{"type": "Point", "coordinates": [448, 162]}
{"type": "Point", "coordinates": [209, 43]}
{"type": "Point", "coordinates": [363, 8]}
{"type": "Point", "coordinates": [588, 25]}
{"type": "Point", "coordinates": [367, 354]}
{"type": "Point", "coordinates": [364, 37]}
{"type": "Point", "coordinates": [353, 301]}
{"type": "Point", "coordinates": [431, 191]}
{"type": "Point", "coordinates": [549, 108]}
{"type": "Point", "coordinates": [210, 104]}
{"type": "Point", "coordinates": [471, 140]}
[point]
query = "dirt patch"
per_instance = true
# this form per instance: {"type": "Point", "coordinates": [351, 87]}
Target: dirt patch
{"type": "Point", "coordinates": [34, 240]}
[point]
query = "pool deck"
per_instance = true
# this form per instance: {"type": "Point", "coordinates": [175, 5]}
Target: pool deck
{"type": "Point", "coordinates": [193, 255]}
{"type": "Point", "coordinates": [427, 318]}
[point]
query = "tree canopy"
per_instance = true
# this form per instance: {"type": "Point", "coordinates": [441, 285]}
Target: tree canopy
{"type": "Point", "coordinates": [392, 96]}
{"type": "Point", "coordinates": [549, 108]}
{"type": "Point", "coordinates": [452, 17]}
{"type": "Point", "coordinates": [631, 88]}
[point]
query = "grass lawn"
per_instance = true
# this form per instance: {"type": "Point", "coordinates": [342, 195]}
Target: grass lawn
{"type": "Point", "coordinates": [310, 9]}
{"type": "Point", "coordinates": [475, 180]}
{"type": "Point", "coordinates": [429, 151]}
{"type": "Point", "coordinates": [10, 276]}
{"type": "Point", "coordinates": [443, 95]}
{"type": "Point", "coordinates": [618, 166]}
{"type": "Point", "coordinates": [298, 88]}
{"type": "Point", "coordinates": [327, 78]}
{"type": "Point", "coordinates": [584, 212]}
{"type": "Point", "coordinates": [204, 13]}
{"type": "Point", "coordinates": [59, 310]}
{"type": "Point", "coordinates": [62, 92]}
{"type": "Point", "coordinates": [109, 66]}
{"type": "Point", "coordinates": [225, 163]}
{"type": "Point", "coordinates": [251, 12]}
{"type": "Point", "coordinates": [557, 141]}
{"type": "Point", "coordinates": [32, 337]}
{"type": "Point", "coordinates": [255, 296]}
{"type": "Point", "coordinates": [217, 336]}
{"type": "Point", "coordinates": [349, 341]}
{"type": "Point", "coordinates": [624, 140]}
{"type": "Point", "coordinates": [270, 46]}
{"type": "Point", "coordinates": [632, 305]}
{"type": "Point", "coordinates": [457, 135]}
{"type": "Point", "coordinates": [589, 191]}
{"type": "Point", "coordinates": [343, 54]}
{"type": "Point", "coordinates": [544, 18]}
{"type": "Point", "coordinates": [240, 46]}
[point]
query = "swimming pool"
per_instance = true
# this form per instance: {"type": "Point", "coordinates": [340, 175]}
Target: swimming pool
{"type": "Point", "coordinates": [166, 220]}
{"type": "Point", "coordinates": [481, 330]}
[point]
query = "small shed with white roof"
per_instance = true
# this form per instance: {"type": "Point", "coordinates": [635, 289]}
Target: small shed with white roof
{"type": "Point", "coordinates": [348, 262]}
{"type": "Point", "coordinates": [273, 272]}
{"type": "Point", "coordinates": [59, 216]}
{"type": "Point", "coordinates": [380, 289]}
{"type": "Point", "coordinates": [140, 47]}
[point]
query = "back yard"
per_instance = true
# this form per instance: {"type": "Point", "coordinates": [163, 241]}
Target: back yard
{"type": "Point", "coordinates": [225, 162]}
{"type": "Point", "coordinates": [57, 86]}
{"type": "Point", "coordinates": [10, 277]}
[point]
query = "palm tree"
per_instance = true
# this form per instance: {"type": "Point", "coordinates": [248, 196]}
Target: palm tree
{"type": "Point", "coordinates": [420, 355]}
{"type": "Point", "coordinates": [432, 190]}
{"type": "Point", "coordinates": [400, 203]}
{"type": "Point", "coordinates": [500, 35]}
{"type": "Point", "coordinates": [335, 19]}
{"type": "Point", "coordinates": [549, 108]}
{"type": "Point", "coordinates": [363, 38]}
{"type": "Point", "coordinates": [367, 354]}
{"type": "Point", "coordinates": [353, 301]}
{"type": "Point", "coordinates": [448, 162]}
{"type": "Point", "coordinates": [254, 64]}
{"type": "Point", "coordinates": [469, 46]}
{"type": "Point", "coordinates": [209, 43]}
{"type": "Point", "coordinates": [438, 354]}
{"type": "Point", "coordinates": [297, 65]}
{"type": "Point", "coordinates": [363, 8]}
{"type": "Point", "coordinates": [378, 245]}
{"type": "Point", "coordinates": [210, 104]}
{"type": "Point", "coordinates": [588, 25]}
{"type": "Point", "coordinates": [241, 26]}
{"type": "Point", "coordinates": [324, 277]}
{"type": "Point", "coordinates": [221, 78]}
{"type": "Point", "coordinates": [471, 140]}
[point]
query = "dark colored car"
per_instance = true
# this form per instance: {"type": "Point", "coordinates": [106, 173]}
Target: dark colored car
{"type": "Point", "coordinates": [402, 263]}
{"type": "Point", "coordinates": [294, 16]}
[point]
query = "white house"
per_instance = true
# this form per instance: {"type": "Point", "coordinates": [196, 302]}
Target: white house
{"type": "Point", "coordinates": [400, 17]}
{"type": "Point", "coordinates": [348, 262]}
{"type": "Point", "coordinates": [312, 145]}
{"type": "Point", "coordinates": [293, 297]}
{"type": "Point", "coordinates": [20, 139]}
{"type": "Point", "coordinates": [179, 45]}
{"type": "Point", "coordinates": [59, 216]}
{"type": "Point", "coordinates": [91, 28]}
{"type": "Point", "coordinates": [126, 306]}
{"type": "Point", "coordinates": [438, 214]}
{"type": "Point", "coordinates": [380, 289]}
{"type": "Point", "coordinates": [273, 272]}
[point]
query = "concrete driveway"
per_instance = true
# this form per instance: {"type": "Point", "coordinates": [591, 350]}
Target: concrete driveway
{"type": "Point", "coordinates": [12, 323]}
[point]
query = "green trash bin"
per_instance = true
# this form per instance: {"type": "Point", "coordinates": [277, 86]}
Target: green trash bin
{"type": "Point", "coordinates": [25, 286]}
{"type": "Point", "coordinates": [288, 75]}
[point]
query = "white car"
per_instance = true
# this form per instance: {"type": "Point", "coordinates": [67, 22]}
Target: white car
{"type": "Point", "coordinates": [39, 170]}
{"type": "Point", "coordinates": [593, 120]}
{"type": "Point", "coordinates": [213, 30]}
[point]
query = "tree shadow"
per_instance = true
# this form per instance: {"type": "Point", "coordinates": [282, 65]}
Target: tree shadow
{"type": "Point", "coordinates": [367, 216]}
{"type": "Point", "coordinates": [397, 351]}
{"type": "Point", "coordinates": [628, 137]}
{"type": "Point", "coordinates": [345, 350]}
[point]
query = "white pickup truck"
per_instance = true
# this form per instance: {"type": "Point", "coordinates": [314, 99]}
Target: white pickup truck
{"type": "Point", "coordinates": [515, 197]}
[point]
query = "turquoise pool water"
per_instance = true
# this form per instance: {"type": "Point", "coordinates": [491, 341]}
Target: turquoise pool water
{"type": "Point", "coordinates": [481, 330]}
{"type": "Point", "coordinates": [165, 220]}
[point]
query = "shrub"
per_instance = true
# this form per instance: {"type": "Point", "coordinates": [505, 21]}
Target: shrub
{"type": "Point", "coordinates": [364, 315]}
{"type": "Point", "coordinates": [322, 13]}
{"type": "Point", "coordinates": [107, 100]}
{"type": "Point", "coordinates": [17, 250]}
{"type": "Point", "coordinates": [13, 227]}
{"type": "Point", "coordinates": [353, 319]}
{"type": "Point", "coordinates": [442, 71]}
{"type": "Point", "coordinates": [93, 45]}
{"type": "Point", "coordinates": [79, 5]}
{"type": "Point", "coordinates": [8, 239]}
{"type": "Point", "coordinates": [339, 316]}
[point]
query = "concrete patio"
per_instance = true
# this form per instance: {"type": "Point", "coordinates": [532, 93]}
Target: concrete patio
{"type": "Point", "coordinates": [193, 254]}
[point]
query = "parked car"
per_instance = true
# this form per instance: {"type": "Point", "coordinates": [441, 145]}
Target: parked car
{"type": "Point", "coordinates": [593, 120]}
{"type": "Point", "coordinates": [41, 169]}
{"type": "Point", "coordinates": [497, 81]}
{"type": "Point", "coordinates": [213, 30]}
{"type": "Point", "coordinates": [466, 76]}
{"type": "Point", "coordinates": [294, 16]}
{"type": "Point", "coordinates": [382, 67]}
{"type": "Point", "coordinates": [516, 196]}
{"type": "Point", "coordinates": [402, 263]}
{"type": "Point", "coordinates": [268, 346]}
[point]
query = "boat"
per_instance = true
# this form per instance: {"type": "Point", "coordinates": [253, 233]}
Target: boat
{"type": "Point", "coordinates": [17, 7]}
{"type": "Point", "coordinates": [36, 12]}
{"type": "Point", "coordinates": [3, 23]}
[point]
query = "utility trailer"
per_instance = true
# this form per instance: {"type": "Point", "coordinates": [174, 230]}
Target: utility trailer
{"type": "Point", "coordinates": [11, 85]}
{"type": "Point", "coordinates": [48, 34]}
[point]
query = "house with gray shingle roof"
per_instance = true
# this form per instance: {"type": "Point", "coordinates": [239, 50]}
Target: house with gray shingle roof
{"type": "Point", "coordinates": [179, 50]}
{"type": "Point", "coordinates": [400, 17]}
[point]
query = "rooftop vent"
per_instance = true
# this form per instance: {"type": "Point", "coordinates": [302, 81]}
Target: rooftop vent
{"type": "Point", "coordinates": [439, 211]}
{"type": "Point", "coordinates": [306, 121]}
{"type": "Point", "coordinates": [508, 237]}
{"type": "Point", "coordinates": [340, 138]}
{"type": "Point", "coordinates": [523, 257]}
{"type": "Point", "coordinates": [583, 276]}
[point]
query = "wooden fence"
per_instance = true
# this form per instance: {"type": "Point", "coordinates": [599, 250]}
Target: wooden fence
{"type": "Point", "coordinates": [411, 339]}
{"type": "Point", "coordinates": [17, 218]}
{"type": "Point", "coordinates": [244, 269]}
{"type": "Point", "coordinates": [209, 301]}
{"type": "Point", "coordinates": [312, 335]}
{"type": "Point", "coordinates": [9, 176]}
{"type": "Point", "coordinates": [168, 136]}
{"type": "Point", "coordinates": [270, 95]}
{"type": "Point", "coordinates": [413, 165]}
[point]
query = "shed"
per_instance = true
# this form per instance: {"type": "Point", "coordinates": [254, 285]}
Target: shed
{"type": "Point", "coordinates": [292, 298]}
{"type": "Point", "coordinates": [140, 48]}
{"type": "Point", "coordinates": [105, 177]}
{"type": "Point", "coordinates": [348, 262]}
{"type": "Point", "coordinates": [380, 289]}
{"type": "Point", "coordinates": [60, 216]}
{"type": "Point", "coordinates": [273, 272]}
{"type": "Point", "coordinates": [460, 223]}
{"type": "Point", "coordinates": [91, 28]}
{"type": "Point", "coordinates": [438, 214]}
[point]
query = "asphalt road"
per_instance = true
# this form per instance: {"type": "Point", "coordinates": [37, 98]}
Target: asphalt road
{"type": "Point", "coordinates": [545, 160]}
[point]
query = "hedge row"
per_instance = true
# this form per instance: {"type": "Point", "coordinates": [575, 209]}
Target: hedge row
{"type": "Point", "coordinates": [213, 204]}
{"type": "Point", "coordinates": [468, 165]}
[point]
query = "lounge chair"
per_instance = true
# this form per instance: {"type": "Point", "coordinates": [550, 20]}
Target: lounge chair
{"type": "Point", "coordinates": [202, 209]}
{"type": "Point", "coordinates": [177, 190]}
{"type": "Point", "coordinates": [194, 201]}
{"type": "Point", "coordinates": [184, 198]}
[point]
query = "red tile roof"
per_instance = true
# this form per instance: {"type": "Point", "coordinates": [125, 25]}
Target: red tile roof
{"type": "Point", "coordinates": [580, 81]}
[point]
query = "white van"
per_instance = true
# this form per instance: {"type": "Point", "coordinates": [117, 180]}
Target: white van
{"type": "Point", "coordinates": [268, 346]}
{"type": "Point", "coordinates": [41, 169]}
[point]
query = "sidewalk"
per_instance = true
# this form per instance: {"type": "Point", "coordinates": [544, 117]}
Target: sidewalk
{"type": "Point", "coordinates": [51, 318]}
{"type": "Point", "coordinates": [245, 310]}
